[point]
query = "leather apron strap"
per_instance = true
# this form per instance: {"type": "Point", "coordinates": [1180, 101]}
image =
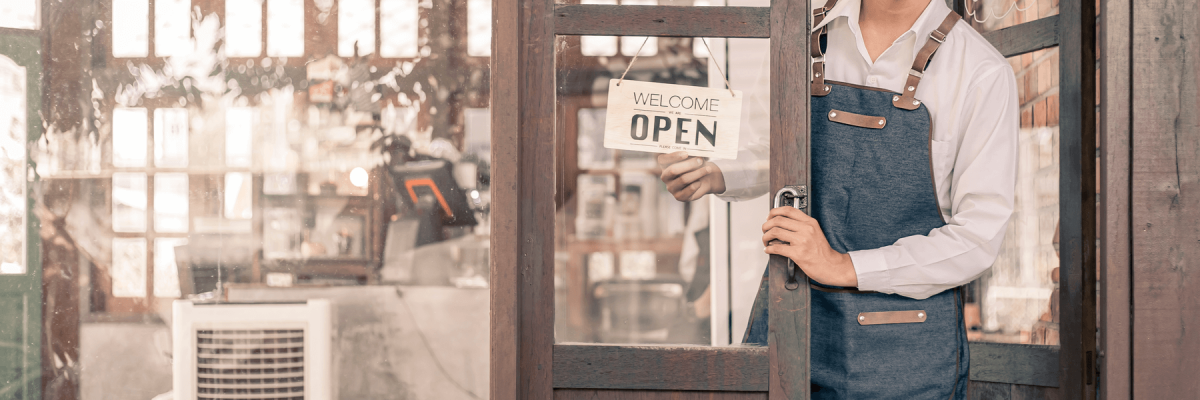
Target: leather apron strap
{"type": "Point", "coordinates": [907, 100]}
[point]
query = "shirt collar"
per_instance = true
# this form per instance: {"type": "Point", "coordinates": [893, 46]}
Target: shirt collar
{"type": "Point", "coordinates": [929, 20]}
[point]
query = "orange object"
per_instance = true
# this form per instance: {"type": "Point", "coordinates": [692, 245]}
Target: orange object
{"type": "Point", "coordinates": [438, 193]}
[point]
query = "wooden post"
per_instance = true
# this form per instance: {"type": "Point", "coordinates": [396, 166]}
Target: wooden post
{"type": "Point", "coordinates": [1077, 197]}
{"type": "Point", "coordinates": [788, 310]}
{"type": "Point", "coordinates": [522, 240]}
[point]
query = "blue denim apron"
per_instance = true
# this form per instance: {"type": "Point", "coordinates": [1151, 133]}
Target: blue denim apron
{"type": "Point", "coordinates": [872, 184]}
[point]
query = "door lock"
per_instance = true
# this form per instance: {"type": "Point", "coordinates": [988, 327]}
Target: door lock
{"type": "Point", "coordinates": [794, 196]}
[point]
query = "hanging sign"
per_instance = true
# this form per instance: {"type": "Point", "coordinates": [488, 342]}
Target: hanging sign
{"type": "Point", "coordinates": [664, 118]}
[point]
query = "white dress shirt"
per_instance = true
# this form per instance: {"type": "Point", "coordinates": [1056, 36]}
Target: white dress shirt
{"type": "Point", "coordinates": [971, 94]}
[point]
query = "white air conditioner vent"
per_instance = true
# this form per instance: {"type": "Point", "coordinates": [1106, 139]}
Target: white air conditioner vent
{"type": "Point", "coordinates": [252, 351]}
{"type": "Point", "coordinates": [265, 364]}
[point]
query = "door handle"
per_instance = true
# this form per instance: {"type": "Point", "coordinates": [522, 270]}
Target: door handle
{"type": "Point", "coordinates": [794, 196]}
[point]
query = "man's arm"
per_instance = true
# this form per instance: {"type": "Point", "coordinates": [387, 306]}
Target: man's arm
{"type": "Point", "coordinates": [982, 188]}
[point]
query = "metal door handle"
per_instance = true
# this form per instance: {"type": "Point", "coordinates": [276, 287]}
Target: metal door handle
{"type": "Point", "coordinates": [795, 196]}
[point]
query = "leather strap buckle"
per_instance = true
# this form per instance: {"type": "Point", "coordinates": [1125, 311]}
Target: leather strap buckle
{"type": "Point", "coordinates": [935, 36]}
{"type": "Point", "coordinates": [916, 73]}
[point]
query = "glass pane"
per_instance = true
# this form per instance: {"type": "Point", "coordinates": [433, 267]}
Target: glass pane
{"type": "Point", "coordinates": [398, 26]}
{"type": "Point", "coordinates": [171, 137]}
{"type": "Point", "coordinates": [166, 271]}
{"type": "Point", "coordinates": [479, 28]}
{"type": "Point", "coordinates": [12, 167]}
{"type": "Point", "coordinates": [634, 264]}
{"type": "Point", "coordinates": [239, 136]}
{"type": "Point", "coordinates": [19, 14]}
{"type": "Point", "coordinates": [172, 27]}
{"type": "Point", "coordinates": [639, 45]}
{"type": "Point", "coordinates": [285, 28]}
{"type": "Point", "coordinates": [171, 202]}
{"type": "Point", "coordinates": [1016, 301]}
{"type": "Point", "coordinates": [129, 267]}
{"type": "Point", "coordinates": [259, 179]}
{"type": "Point", "coordinates": [131, 28]}
{"type": "Point", "coordinates": [356, 27]}
{"type": "Point", "coordinates": [991, 15]}
{"type": "Point", "coordinates": [243, 20]}
{"type": "Point", "coordinates": [129, 137]}
{"type": "Point", "coordinates": [129, 202]}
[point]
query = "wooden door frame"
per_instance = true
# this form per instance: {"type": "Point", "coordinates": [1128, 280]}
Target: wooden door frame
{"type": "Point", "coordinates": [523, 353]}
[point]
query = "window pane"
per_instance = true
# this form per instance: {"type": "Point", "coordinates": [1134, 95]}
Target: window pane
{"type": "Point", "coordinates": [172, 27]}
{"type": "Point", "coordinates": [1016, 301]}
{"type": "Point", "coordinates": [631, 44]}
{"type": "Point", "coordinates": [166, 274]}
{"type": "Point", "coordinates": [285, 28]}
{"type": "Point", "coordinates": [130, 28]}
{"type": "Point", "coordinates": [12, 167]}
{"type": "Point", "coordinates": [356, 27]}
{"type": "Point", "coordinates": [20, 14]}
{"type": "Point", "coordinates": [398, 28]}
{"type": "Point", "coordinates": [128, 202]}
{"type": "Point", "coordinates": [237, 196]}
{"type": "Point", "coordinates": [598, 45]}
{"type": "Point", "coordinates": [171, 202]}
{"type": "Point", "coordinates": [129, 267]}
{"type": "Point", "coordinates": [171, 137]}
{"type": "Point", "coordinates": [129, 137]}
{"type": "Point", "coordinates": [239, 136]}
{"type": "Point", "coordinates": [479, 28]}
{"type": "Point", "coordinates": [243, 28]}
{"type": "Point", "coordinates": [992, 15]}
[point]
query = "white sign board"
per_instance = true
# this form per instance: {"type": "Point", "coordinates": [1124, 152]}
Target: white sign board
{"type": "Point", "coordinates": [663, 118]}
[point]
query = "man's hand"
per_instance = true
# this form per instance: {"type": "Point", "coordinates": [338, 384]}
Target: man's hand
{"type": "Point", "coordinates": [791, 233]}
{"type": "Point", "coordinates": [690, 178]}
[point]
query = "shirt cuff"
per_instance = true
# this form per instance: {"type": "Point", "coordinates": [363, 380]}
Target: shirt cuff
{"type": "Point", "coordinates": [871, 268]}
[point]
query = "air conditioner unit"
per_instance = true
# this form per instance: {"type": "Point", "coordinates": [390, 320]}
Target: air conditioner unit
{"type": "Point", "coordinates": [252, 351]}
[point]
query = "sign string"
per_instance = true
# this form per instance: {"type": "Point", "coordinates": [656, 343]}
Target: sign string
{"type": "Point", "coordinates": [710, 54]}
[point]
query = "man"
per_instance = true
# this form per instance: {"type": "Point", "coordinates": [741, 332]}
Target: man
{"type": "Point", "coordinates": [914, 150]}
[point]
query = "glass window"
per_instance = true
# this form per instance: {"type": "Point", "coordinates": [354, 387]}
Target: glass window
{"type": "Point", "coordinates": [171, 137]}
{"type": "Point", "coordinates": [398, 26]}
{"type": "Point", "coordinates": [479, 28]}
{"type": "Point", "coordinates": [285, 28]}
{"type": "Point", "coordinates": [129, 267]}
{"type": "Point", "coordinates": [20, 14]}
{"type": "Point", "coordinates": [243, 21]}
{"type": "Point", "coordinates": [12, 167]}
{"type": "Point", "coordinates": [356, 27]}
{"type": "Point", "coordinates": [166, 274]}
{"type": "Point", "coordinates": [605, 46]}
{"type": "Point", "coordinates": [130, 28]}
{"type": "Point", "coordinates": [171, 202]}
{"type": "Point", "coordinates": [631, 45]}
{"type": "Point", "coordinates": [172, 27]}
{"type": "Point", "coordinates": [129, 202]}
{"type": "Point", "coordinates": [239, 136]}
{"type": "Point", "coordinates": [129, 137]}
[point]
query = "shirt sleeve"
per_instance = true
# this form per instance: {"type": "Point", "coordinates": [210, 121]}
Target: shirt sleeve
{"type": "Point", "coordinates": [747, 177]}
{"type": "Point", "coordinates": [983, 183]}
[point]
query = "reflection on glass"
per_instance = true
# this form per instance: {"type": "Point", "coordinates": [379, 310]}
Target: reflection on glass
{"type": "Point", "coordinates": [129, 267]}
{"type": "Point", "coordinates": [356, 27]}
{"type": "Point", "coordinates": [243, 21]}
{"type": "Point", "coordinates": [592, 154]}
{"type": "Point", "coordinates": [1017, 300]}
{"type": "Point", "coordinates": [285, 28]}
{"type": "Point", "coordinates": [166, 272]}
{"type": "Point", "coordinates": [130, 28]}
{"type": "Point", "coordinates": [172, 27]}
{"type": "Point", "coordinates": [171, 137]}
{"type": "Point", "coordinates": [128, 202]}
{"type": "Point", "coordinates": [398, 27]}
{"type": "Point", "coordinates": [237, 196]}
{"type": "Point", "coordinates": [12, 167]}
{"type": "Point", "coordinates": [631, 44]}
{"type": "Point", "coordinates": [171, 202]}
{"type": "Point", "coordinates": [239, 136]}
{"type": "Point", "coordinates": [479, 28]}
{"type": "Point", "coordinates": [991, 15]}
{"type": "Point", "coordinates": [19, 14]}
{"type": "Point", "coordinates": [129, 137]}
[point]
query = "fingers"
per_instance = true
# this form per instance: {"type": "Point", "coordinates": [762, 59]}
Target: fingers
{"type": "Point", "coordinates": [691, 192]}
{"type": "Point", "coordinates": [790, 237]}
{"type": "Point", "coordinates": [671, 158]}
{"type": "Point", "coordinates": [788, 224]}
{"type": "Point", "coordinates": [672, 171]}
{"type": "Point", "coordinates": [687, 179]}
{"type": "Point", "coordinates": [790, 212]}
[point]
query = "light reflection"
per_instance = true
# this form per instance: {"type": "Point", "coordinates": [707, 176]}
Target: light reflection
{"type": "Point", "coordinates": [285, 28]}
{"type": "Point", "coordinates": [356, 27]}
{"type": "Point", "coordinates": [479, 28]}
{"type": "Point", "coordinates": [129, 267]}
{"type": "Point", "coordinates": [398, 28]}
{"type": "Point", "coordinates": [19, 14]}
{"type": "Point", "coordinates": [130, 28]}
{"type": "Point", "coordinates": [129, 137]}
{"type": "Point", "coordinates": [172, 27]}
{"type": "Point", "coordinates": [243, 28]}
